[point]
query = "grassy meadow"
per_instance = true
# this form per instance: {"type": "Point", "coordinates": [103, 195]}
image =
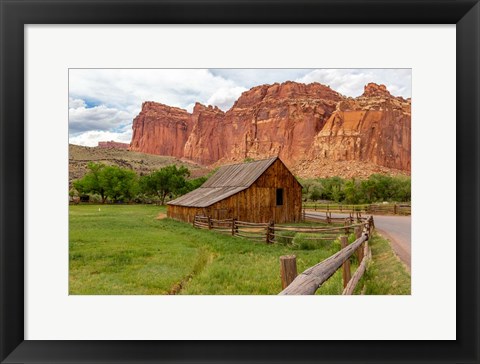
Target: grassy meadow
{"type": "Point", "coordinates": [134, 249]}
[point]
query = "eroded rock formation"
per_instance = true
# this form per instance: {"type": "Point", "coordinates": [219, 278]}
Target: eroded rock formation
{"type": "Point", "coordinates": [311, 127]}
{"type": "Point", "coordinates": [161, 129]}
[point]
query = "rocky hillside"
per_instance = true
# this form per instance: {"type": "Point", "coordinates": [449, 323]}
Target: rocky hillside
{"type": "Point", "coordinates": [142, 163]}
{"type": "Point", "coordinates": [315, 130]}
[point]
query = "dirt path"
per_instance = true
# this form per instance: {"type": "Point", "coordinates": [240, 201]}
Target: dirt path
{"type": "Point", "coordinates": [161, 215]}
{"type": "Point", "coordinates": [398, 230]}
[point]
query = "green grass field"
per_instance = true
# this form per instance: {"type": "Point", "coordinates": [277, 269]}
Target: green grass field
{"type": "Point", "coordinates": [126, 249]}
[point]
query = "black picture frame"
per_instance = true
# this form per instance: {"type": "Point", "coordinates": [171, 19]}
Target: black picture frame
{"type": "Point", "coordinates": [15, 14]}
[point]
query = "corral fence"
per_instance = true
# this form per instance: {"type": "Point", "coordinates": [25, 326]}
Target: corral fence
{"type": "Point", "coordinates": [371, 209]}
{"type": "Point", "coordinates": [311, 279]}
{"type": "Point", "coordinates": [326, 217]}
{"type": "Point", "coordinates": [384, 209]}
{"type": "Point", "coordinates": [274, 233]}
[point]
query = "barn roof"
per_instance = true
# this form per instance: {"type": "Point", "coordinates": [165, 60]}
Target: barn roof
{"type": "Point", "coordinates": [227, 181]}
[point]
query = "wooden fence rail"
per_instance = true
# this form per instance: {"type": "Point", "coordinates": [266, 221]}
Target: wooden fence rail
{"type": "Point", "coordinates": [381, 209]}
{"type": "Point", "coordinates": [327, 217]}
{"type": "Point", "coordinates": [270, 233]}
{"type": "Point", "coordinates": [311, 279]}
{"type": "Point", "coordinates": [352, 283]}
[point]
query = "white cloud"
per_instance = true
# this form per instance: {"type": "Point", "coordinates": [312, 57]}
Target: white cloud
{"type": "Point", "coordinates": [350, 82]}
{"type": "Point", "coordinates": [225, 97]}
{"type": "Point", "coordinates": [92, 137]}
{"type": "Point", "coordinates": [96, 118]}
{"type": "Point", "coordinates": [250, 77]}
{"type": "Point", "coordinates": [75, 103]}
{"type": "Point", "coordinates": [128, 88]}
{"type": "Point", "coordinates": [107, 100]}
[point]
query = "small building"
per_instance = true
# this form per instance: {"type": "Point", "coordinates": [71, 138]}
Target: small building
{"type": "Point", "coordinates": [260, 191]}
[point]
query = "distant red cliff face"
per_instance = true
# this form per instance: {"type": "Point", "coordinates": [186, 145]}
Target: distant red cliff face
{"type": "Point", "coordinates": [112, 144]}
{"type": "Point", "coordinates": [311, 127]}
{"type": "Point", "coordinates": [161, 129]}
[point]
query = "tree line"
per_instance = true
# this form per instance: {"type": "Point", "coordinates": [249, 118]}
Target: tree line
{"type": "Point", "coordinates": [377, 188]}
{"type": "Point", "coordinates": [116, 184]}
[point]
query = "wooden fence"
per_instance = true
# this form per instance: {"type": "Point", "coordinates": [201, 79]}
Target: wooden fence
{"type": "Point", "coordinates": [371, 209]}
{"type": "Point", "coordinates": [311, 279]}
{"type": "Point", "coordinates": [326, 217]}
{"type": "Point", "coordinates": [389, 209]}
{"type": "Point", "coordinates": [271, 233]}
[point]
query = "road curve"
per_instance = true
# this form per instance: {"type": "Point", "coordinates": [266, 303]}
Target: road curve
{"type": "Point", "coordinates": [397, 229]}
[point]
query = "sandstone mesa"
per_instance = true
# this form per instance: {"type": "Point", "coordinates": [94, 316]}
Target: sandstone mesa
{"type": "Point", "coordinates": [314, 129]}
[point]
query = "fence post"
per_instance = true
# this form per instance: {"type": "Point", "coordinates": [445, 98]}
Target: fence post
{"type": "Point", "coordinates": [358, 232]}
{"type": "Point", "coordinates": [288, 269]}
{"type": "Point", "coordinates": [346, 273]}
{"type": "Point", "coordinates": [395, 209]}
{"type": "Point", "coordinates": [270, 227]}
{"type": "Point", "coordinates": [233, 225]}
{"type": "Point", "coordinates": [304, 214]}
{"type": "Point", "coordinates": [329, 217]}
{"type": "Point", "coordinates": [209, 223]}
{"type": "Point", "coordinates": [194, 218]}
{"type": "Point", "coordinates": [359, 216]}
{"type": "Point", "coordinates": [360, 253]}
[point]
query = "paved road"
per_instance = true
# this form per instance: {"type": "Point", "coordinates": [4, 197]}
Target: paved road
{"type": "Point", "coordinates": [398, 230]}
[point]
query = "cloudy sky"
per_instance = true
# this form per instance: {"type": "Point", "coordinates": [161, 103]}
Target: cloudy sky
{"type": "Point", "coordinates": [104, 102]}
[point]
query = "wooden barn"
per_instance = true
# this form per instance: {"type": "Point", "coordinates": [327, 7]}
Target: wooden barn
{"type": "Point", "coordinates": [260, 191]}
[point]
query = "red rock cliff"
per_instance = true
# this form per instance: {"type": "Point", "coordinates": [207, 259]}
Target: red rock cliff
{"type": "Point", "coordinates": [279, 119]}
{"type": "Point", "coordinates": [205, 144]}
{"type": "Point", "coordinates": [161, 129]}
{"type": "Point", "coordinates": [374, 127]}
{"type": "Point", "coordinates": [309, 126]}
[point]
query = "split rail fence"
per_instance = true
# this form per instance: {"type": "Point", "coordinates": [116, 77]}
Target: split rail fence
{"type": "Point", "coordinates": [271, 233]}
{"type": "Point", "coordinates": [311, 279]}
{"type": "Point", "coordinates": [372, 209]}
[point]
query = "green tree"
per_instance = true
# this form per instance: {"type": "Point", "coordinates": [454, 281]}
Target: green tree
{"type": "Point", "coordinates": [192, 184]}
{"type": "Point", "coordinates": [108, 181]}
{"type": "Point", "coordinates": [315, 194]}
{"type": "Point", "coordinates": [332, 188]}
{"type": "Point", "coordinates": [351, 191]}
{"type": "Point", "coordinates": [118, 183]}
{"type": "Point", "coordinates": [307, 186]}
{"type": "Point", "coordinates": [367, 188]}
{"type": "Point", "coordinates": [90, 183]}
{"type": "Point", "coordinates": [167, 180]}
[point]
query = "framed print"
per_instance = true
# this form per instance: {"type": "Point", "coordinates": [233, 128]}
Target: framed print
{"type": "Point", "coordinates": [55, 307]}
